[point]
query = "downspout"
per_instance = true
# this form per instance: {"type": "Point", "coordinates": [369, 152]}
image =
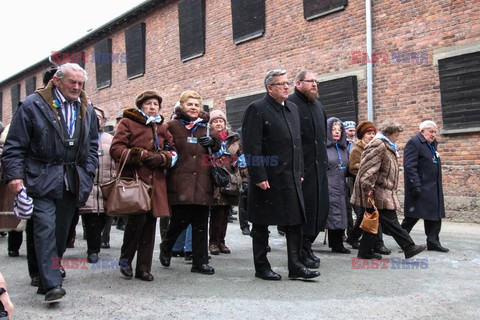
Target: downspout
{"type": "Point", "coordinates": [368, 14]}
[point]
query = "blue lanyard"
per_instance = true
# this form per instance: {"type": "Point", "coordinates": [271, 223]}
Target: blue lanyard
{"type": "Point", "coordinates": [71, 125]}
{"type": "Point", "coordinates": [338, 152]}
{"type": "Point", "coordinates": [434, 152]}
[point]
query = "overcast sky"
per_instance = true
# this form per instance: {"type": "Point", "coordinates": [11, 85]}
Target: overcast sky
{"type": "Point", "coordinates": [31, 30]}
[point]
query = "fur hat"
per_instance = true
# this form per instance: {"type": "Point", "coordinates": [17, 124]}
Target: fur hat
{"type": "Point", "coordinates": [217, 114]}
{"type": "Point", "coordinates": [364, 127]}
{"type": "Point", "coordinates": [349, 124]}
{"type": "Point", "coordinates": [145, 95]}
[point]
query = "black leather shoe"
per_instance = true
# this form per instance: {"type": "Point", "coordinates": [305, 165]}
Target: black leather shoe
{"type": "Point", "coordinates": [269, 248]}
{"type": "Point", "coordinates": [203, 268]}
{"type": "Point", "coordinates": [188, 256]}
{"type": "Point", "coordinates": [303, 273]}
{"type": "Point", "coordinates": [268, 275]}
{"type": "Point", "coordinates": [127, 272]}
{"type": "Point", "coordinates": [383, 250]}
{"type": "Point", "coordinates": [354, 244]}
{"type": "Point", "coordinates": [341, 250]}
{"type": "Point", "coordinates": [35, 281]}
{"type": "Point", "coordinates": [309, 263]}
{"type": "Point", "coordinates": [313, 257]}
{"type": "Point", "coordinates": [54, 294]}
{"type": "Point", "coordinates": [246, 231]}
{"type": "Point", "coordinates": [92, 258]}
{"type": "Point", "coordinates": [413, 250]}
{"type": "Point", "coordinates": [438, 248]}
{"type": "Point", "coordinates": [41, 290]}
{"type": "Point", "coordinates": [144, 275]}
{"type": "Point", "coordinates": [63, 273]}
{"type": "Point", "coordinates": [165, 256]}
{"type": "Point", "coordinates": [105, 245]}
{"type": "Point", "coordinates": [13, 253]}
{"type": "Point", "coordinates": [372, 255]}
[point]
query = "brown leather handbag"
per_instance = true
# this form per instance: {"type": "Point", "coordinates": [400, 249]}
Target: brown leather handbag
{"type": "Point", "coordinates": [125, 196]}
{"type": "Point", "coordinates": [370, 220]}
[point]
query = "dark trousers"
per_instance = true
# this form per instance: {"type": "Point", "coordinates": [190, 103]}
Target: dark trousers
{"type": "Point", "coordinates": [294, 237]}
{"type": "Point", "coordinates": [72, 230]}
{"type": "Point", "coordinates": [139, 237]}
{"type": "Point", "coordinates": [335, 238]}
{"type": "Point", "coordinates": [182, 216]}
{"type": "Point", "coordinates": [356, 232]}
{"type": "Point", "coordinates": [218, 224]}
{"type": "Point", "coordinates": [15, 239]}
{"type": "Point", "coordinates": [390, 224]}
{"type": "Point", "coordinates": [164, 222]}
{"type": "Point", "coordinates": [106, 229]}
{"type": "Point", "coordinates": [94, 224]}
{"type": "Point", "coordinates": [52, 219]}
{"type": "Point", "coordinates": [242, 207]}
{"type": "Point", "coordinates": [432, 229]}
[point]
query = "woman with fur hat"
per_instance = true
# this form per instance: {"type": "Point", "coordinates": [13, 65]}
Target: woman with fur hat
{"type": "Point", "coordinates": [336, 172]}
{"type": "Point", "coordinates": [377, 179]}
{"type": "Point", "coordinates": [143, 133]}
{"type": "Point", "coordinates": [366, 131]}
{"type": "Point", "coordinates": [222, 202]}
{"type": "Point", "coordinates": [190, 189]}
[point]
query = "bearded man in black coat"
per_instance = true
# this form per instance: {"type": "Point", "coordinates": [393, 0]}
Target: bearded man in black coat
{"type": "Point", "coordinates": [423, 184]}
{"type": "Point", "coordinates": [313, 125]}
{"type": "Point", "coordinates": [273, 150]}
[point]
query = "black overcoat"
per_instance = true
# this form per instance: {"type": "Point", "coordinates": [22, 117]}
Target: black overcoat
{"type": "Point", "coordinates": [273, 150]}
{"type": "Point", "coordinates": [421, 171]}
{"type": "Point", "coordinates": [313, 122]}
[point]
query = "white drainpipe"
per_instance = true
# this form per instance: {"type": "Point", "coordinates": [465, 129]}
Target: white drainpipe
{"type": "Point", "coordinates": [368, 13]}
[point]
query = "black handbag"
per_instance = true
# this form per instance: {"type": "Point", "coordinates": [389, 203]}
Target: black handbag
{"type": "Point", "coordinates": [220, 175]}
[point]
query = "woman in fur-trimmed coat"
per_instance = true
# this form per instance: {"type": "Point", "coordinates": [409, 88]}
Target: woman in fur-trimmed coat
{"type": "Point", "coordinates": [143, 132]}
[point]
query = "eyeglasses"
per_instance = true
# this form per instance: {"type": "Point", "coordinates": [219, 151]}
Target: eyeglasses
{"type": "Point", "coordinates": [309, 81]}
{"type": "Point", "coordinates": [282, 84]}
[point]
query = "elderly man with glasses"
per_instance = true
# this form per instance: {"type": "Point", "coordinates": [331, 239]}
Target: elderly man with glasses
{"type": "Point", "coordinates": [271, 135]}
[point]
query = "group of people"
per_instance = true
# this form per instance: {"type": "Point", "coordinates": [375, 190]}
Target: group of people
{"type": "Point", "coordinates": [57, 150]}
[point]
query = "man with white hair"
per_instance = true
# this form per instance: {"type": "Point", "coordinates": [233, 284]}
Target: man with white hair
{"type": "Point", "coordinates": [423, 184]}
{"type": "Point", "coordinates": [51, 150]}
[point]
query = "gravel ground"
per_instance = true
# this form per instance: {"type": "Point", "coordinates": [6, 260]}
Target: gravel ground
{"type": "Point", "coordinates": [444, 286]}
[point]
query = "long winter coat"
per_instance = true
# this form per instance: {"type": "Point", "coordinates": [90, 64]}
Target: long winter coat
{"type": "Point", "coordinates": [34, 149]}
{"type": "Point", "coordinates": [189, 182]}
{"type": "Point", "coordinates": [234, 148]}
{"type": "Point", "coordinates": [133, 133]}
{"type": "Point", "coordinates": [313, 122]}
{"type": "Point", "coordinates": [355, 157]}
{"type": "Point", "coordinates": [378, 172]}
{"type": "Point", "coordinates": [105, 173]}
{"type": "Point", "coordinates": [421, 171]}
{"type": "Point", "coordinates": [337, 188]}
{"type": "Point", "coordinates": [272, 145]}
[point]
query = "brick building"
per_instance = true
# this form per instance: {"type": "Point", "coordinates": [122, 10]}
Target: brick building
{"type": "Point", "coordinates": [426, 65]}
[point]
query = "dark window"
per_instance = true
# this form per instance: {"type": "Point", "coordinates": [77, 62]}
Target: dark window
{"type": "Point", "coordinates": [31, 85]}
{"type": "Point", "coordinates": [460, 91]}
{"type": "Point", "coordinates": [135, 47]}
{"type": "Point", "coordinates": [103, 63]}
{"type": "Point", "coordinates": [316, 8]}
{"type": "Point", "coordinates": [339, 98]}
{"type": "Point", "coordinates": [248, 19]}
{"type": "Point", "coordinates": [1, 105]}
{"type": "Point", "coordinates": [15, 93]}
{"type": "Point", "coordinates": [191, 21]}
{"type": "Point", "coordinates": [236, 108]}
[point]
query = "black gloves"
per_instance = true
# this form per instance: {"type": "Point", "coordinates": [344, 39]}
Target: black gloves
{"type": "Point", "coordinates": [415, 192]}
{"type": "Point", "coordinates": [206, 141]}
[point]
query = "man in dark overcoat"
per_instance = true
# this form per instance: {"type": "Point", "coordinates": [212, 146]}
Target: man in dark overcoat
{"type": "Point", "coordinates": [273, 149]}
{"type": "Point", "coordinates": [423, 184]}
{"type": "Point", "coordinates": [313, 125]}
{"type": "Point", "coordinates": [51, 150]}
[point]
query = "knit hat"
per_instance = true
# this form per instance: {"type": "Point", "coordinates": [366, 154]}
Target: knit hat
{"type": "Point", "coordinates": [145, 95]}
{"type": "Point", "coordinates": [349, 124]}
{"type": "Point", "coordinates": [364, 127]}
{"type": "Point", "coordinates": [217, 114]}
{"type": "Point", "coordinates": [23, 205]}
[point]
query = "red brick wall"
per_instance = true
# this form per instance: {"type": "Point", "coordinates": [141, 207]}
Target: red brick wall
{"type": "Point", "coordinates": [407, 92]}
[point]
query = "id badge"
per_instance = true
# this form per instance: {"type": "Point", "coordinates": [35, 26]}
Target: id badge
{"type": "Point", "coordinates": [192, 140]}
{"type": "Point", "coordinates": [100, 153]}
{"type": "Point", "coordinates": [341, 167]}
{"type": "Point", "coordinates": [437, 154]}
{"type": "Point", "coordinates": [70, 142]}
